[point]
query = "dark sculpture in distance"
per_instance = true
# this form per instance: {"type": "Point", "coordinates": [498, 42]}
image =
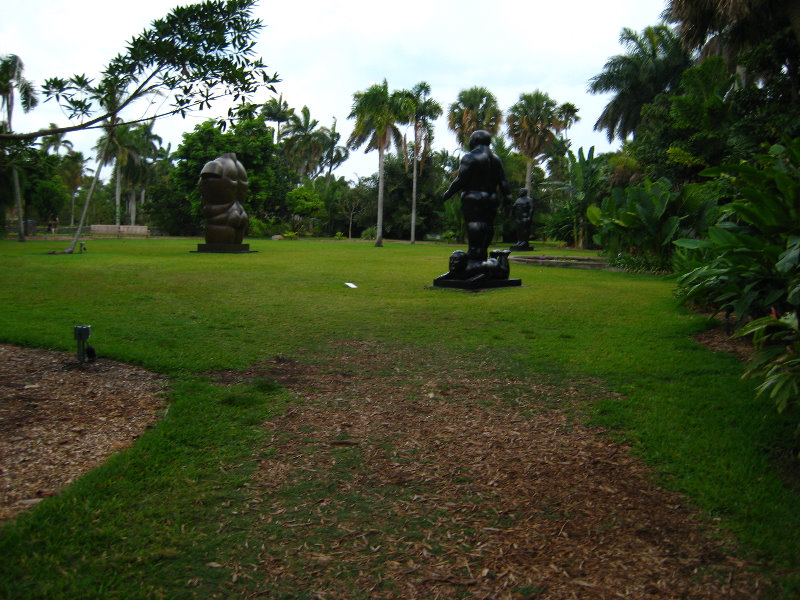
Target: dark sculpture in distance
{"type": "Point", "coordinates": [480, 178]}
{"type": "Point", "coordinates": [523, 214]}
{"type": "Point", "coordinates": [223, 189]}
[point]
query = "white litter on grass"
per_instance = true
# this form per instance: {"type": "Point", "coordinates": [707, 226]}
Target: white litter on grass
{"type": "Point", "coordinates": [350, 285]}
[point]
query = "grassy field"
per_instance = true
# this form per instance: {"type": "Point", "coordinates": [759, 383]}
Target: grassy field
{"type": "Point", "coordinates": [154, 303]}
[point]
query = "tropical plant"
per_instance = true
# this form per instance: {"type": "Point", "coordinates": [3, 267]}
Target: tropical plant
{"type": "Point", "coordinates": [12, 82]}
{"type": "Point", "coordinates": [777, 358]}
{"type": "Point", "coordinates": [653, 64]}
{"type": "Point", "coordinates": [303, 142]}
{"type": "Point", "coordinates": [750, 260]}
{"type": "Point", "coordinates": [425, 111]}
{"type": "Point", "coordinates": [377, 113]}
{"type": "Point", "coordinates": [333, 155]}
{"type": "Point", "coordinates": [587, 185]}
{"type": "Point", "coordinates": [534, 123]}
{"type": "Point", "coordinates": [475, 108]}
{"type": "Point", "coordinates": [639, 221]}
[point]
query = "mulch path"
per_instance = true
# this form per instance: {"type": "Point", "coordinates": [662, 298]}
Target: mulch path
{"type": "Point", "coordinates": [520, 502]}
{"type": "Point", "coordinates": [512, 496]}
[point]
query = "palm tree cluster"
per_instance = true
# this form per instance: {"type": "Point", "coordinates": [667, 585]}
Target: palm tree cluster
{"type": "Point", "coordinates": [12, 83]}
{"type": "Point", "coordinates": [377, 113]}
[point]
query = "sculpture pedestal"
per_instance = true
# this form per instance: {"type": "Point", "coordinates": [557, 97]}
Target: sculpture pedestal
{"type": "Point", "coordinates": [476, 283]}
{"type": "Point", "coordinates": [224, 248]}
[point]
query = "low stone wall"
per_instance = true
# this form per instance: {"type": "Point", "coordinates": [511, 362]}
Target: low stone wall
{"type": "Point", "coordinates": [119, 230]}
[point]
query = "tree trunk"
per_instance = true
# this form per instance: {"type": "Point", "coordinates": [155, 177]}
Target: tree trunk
{"type": "Point", "coordinates": [528, 176]}
{"type": "Point", "coordinates": [18, 197]}
{"type": "Point", "coordinates": [414, 200]}
{"type": "Point", "coordinates": [379, 233]}
{"type": "Point", "coordinates": [117, 191]}
{"type": "Point", "coordinates": [132, 206]}
{"type": "Point", "coordinates": [71, 248]}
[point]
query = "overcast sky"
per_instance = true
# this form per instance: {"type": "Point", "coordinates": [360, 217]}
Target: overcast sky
{"type": "Point", "coordinates": [325, 51]}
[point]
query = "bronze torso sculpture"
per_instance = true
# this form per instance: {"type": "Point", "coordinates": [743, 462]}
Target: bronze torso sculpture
{"type": "Point", "coordinates": [223, 188]}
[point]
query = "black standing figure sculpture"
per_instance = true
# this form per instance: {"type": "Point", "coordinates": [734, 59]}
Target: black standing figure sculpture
{"type": "Point", "coordinates": [523, 214]}
{"type": "Point", "coordinates": [480, 178]}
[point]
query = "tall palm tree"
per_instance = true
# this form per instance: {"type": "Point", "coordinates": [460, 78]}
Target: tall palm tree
{"type": "Point", "coordinates": [277, 111]}
{"type": "Point", "coordinates": [144, 144]}
{"type": "Point", "coordinates": [377, 113]}
{"type": "Point", "coordinates": [534, 124]}
{"type": "Point", "coordinates": [475, 108]}
{"type": "Point", "coordinates": [55, 141]}
{"type": "Point", "coordinates": [653, 64]}
{"type": "Point", "coordinates": [303, 142]}
{"type": "Point", "coordinates": [118, 146]}
{"type": "Point", "coordinates": [425, 111]}
{"type": "Point", "coordinates": [333, 154]}
{"type": "Point", "coordinates": [12, 81]}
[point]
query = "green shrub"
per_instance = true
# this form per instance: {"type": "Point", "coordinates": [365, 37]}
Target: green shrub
{"type": "Point", "coordinates": [290, 235]}
{"type": "Point", "coordinates": [749, 264]}
{"type": "Point", "coordinates": [256, 228]}
{"type": "Point", "coordinates": [339, 236]}
{"type": "Point", "coordinates": [370, 233]}
{"type": "Point", "coordinates": [777, 359]}
{"type": "Point", "coordinates": [641, 221]}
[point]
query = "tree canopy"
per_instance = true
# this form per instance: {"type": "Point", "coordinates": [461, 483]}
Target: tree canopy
{"type": "Point", "coordinates": [198, 53]}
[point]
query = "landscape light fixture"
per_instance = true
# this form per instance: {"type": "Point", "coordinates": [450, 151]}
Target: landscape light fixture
{"type": "Point", "coordinates": [82, 334]}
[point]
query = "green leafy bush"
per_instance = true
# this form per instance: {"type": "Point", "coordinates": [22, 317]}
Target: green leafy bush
{"type": "Point", "coordinates": [777, 359]}
{"type": "Point", "coordinates": [370, 233]}
{"type": "Point", "coordinates": [749, 264]}
{"type": "Point", "coordinates": [640, 221]}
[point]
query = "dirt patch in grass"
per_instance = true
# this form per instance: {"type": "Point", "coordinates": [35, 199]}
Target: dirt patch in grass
{"type": "Point", "coordinates": [391, 482]}
{"type": "Point", "coordinates": [58, 420]}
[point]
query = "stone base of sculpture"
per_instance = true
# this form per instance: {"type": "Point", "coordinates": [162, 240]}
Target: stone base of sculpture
{"type": "Point", "coordinates": [472, 273]}
{"type": "Point", "coordinates": [476, 283]}
{"type": "Point", "coordinates": [224, 248]}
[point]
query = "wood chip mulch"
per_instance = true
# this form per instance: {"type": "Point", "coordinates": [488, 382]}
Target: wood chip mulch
{"type": "Point", "coordinates": [58, 419]}
{"type": "Point", "coordinates": [519, 503]}
{"type": "Point", "coordinates": [476, 485]}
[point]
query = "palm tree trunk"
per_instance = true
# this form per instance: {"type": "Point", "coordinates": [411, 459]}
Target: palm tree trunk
{"type": "Point", "coordinates": [414, 201]}
{"type": "Point", "coordinates": [18, 197]}
{"type": "Point", "coordinates": [72, 209]}
{"type": "Point", "coordinates": [528, 175]}
{"type": "Point", "coordinates": [379, 228]}
{"type": "Point", "coordinates": [132, 206]}
{"type": "Point", "coordinates": [117, 192]}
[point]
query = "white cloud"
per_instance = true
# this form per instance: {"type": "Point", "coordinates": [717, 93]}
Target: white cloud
{"type": "Point", "coordinates": [325, 51]}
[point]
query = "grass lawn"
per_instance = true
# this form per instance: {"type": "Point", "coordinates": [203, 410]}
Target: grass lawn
{"type": "Point", "coordinates": [145, 523]}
